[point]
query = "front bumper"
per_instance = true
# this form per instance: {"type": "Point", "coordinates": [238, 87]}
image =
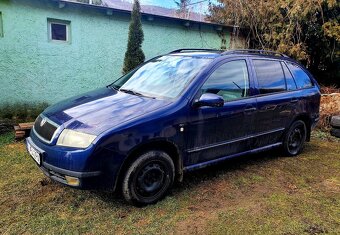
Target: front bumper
{"type": "Point", "coordinates": [78, 179]}
{"type": "Point", "coordinates": [84, 179]}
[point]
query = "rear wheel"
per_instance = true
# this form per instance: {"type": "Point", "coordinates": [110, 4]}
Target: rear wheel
{"type": "Point", "coordinates": [295, 138]}
{"type": "Point", "coordinates": [149, 178]}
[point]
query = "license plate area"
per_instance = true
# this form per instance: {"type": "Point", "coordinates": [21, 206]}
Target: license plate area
{"type": "Point", "coordinates": [35, 154]}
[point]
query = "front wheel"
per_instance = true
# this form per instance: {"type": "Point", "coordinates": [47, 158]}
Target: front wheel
{"type": "Point", "coordinates": [295, 138]}
{"type": "Point", "coordinates": [148, 178]}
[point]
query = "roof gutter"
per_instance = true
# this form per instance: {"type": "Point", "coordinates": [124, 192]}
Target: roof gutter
{"type": "Point", "coordinates": [110, 11]}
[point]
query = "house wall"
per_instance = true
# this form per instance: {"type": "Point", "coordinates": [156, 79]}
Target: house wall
{"type": "Point", "coordinates": [33, 69]}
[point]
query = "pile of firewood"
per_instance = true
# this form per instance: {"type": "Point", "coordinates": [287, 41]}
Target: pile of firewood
{"type": "Point", "coordinates": [5, 126]}
{"type": "Point", "coordinates": [22, 130]}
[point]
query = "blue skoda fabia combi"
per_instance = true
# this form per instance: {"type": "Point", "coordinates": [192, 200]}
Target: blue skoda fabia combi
{"type": "Point", "coordinates": [177, 112]}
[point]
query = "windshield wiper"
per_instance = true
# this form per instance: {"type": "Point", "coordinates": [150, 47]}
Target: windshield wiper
{"type": "Point", "coordinates": [135, 93]}
{"type": "Point", "coordinates": [115, 87]}
{"type": "Point", "coordinates": [131, 92]}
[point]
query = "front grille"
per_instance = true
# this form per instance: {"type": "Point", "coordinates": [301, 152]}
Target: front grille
{"type": "Point", "coordinates": [44, 128]}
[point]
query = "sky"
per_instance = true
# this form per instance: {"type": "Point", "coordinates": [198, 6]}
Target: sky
{"type": "Point", "coordinates": [200, 6]}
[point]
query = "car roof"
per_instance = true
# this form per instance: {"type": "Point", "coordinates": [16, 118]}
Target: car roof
{"type": "Point", "coordinates": [214, 53]}
{"type": "Point", "coordinates": [200, 54]}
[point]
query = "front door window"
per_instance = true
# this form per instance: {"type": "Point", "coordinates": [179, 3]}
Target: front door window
{"type": "Point", "coordinates": [230, 81]}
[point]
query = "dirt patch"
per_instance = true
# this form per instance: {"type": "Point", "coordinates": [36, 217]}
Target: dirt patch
{"type": "Point", "coordinates": [221, 195]}
{"type": "Point", "coordinates": [315, 229]}
{"type": "Point", "coordinates": [332, 185]}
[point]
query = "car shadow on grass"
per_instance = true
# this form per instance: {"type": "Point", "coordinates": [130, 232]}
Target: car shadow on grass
{"type": "Point", "coordinates": [193, 179]}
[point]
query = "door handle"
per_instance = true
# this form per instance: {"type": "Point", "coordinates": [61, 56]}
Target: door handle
{"type": "Point", "coordinates": [270, 107]}
{"type": "Point", "coordinates": [294, 100]}
{"type": "Point", "coordinates": [249, 110]}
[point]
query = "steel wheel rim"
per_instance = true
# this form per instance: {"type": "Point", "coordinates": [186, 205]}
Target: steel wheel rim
{"type": "Point", "coordinates": [295, 139]}
{"type": "Point", "coordinates": [150, 179]}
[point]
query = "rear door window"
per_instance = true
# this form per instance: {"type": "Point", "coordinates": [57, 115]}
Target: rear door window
{"type": "Point", "coordinates": [301, 78]}
{"type": "Point", "coordinates": [291, 85]}
{"type": "Point", "coordinates": [270, 76]}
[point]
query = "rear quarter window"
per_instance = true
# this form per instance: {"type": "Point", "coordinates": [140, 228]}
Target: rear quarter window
{"type": "Point", "coordinates": [291, 85]}
{"type": "Point", "coordinates": [302, 80]}
{"type": "Point", "coordinates": [270, 76]}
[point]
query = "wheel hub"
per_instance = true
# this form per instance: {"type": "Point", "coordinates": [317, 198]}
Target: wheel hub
{"type": "Point", "coordinates": [150, 179]}
{"type": "Point", "coordinates": [295, 139]}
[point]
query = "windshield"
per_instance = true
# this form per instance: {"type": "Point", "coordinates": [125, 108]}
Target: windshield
{"type": "Point", "coordinates": [165, 76]}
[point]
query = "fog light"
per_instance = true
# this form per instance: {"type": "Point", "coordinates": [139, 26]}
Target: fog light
{"type": "Point", "coordinates": [73, 181]}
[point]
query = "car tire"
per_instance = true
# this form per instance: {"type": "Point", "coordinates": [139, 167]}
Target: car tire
{"type": "Point", "coordinates": [295, 138]}
{"type": "Point", "coordinates": [149, 178]}
{"type": "Point", "coordinates": [335, 122]}
{"type": "Point", "coordinates": [335, 132]}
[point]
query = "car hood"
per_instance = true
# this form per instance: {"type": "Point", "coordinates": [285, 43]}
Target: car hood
{"type": "Point", "coordinates": [97, 111]}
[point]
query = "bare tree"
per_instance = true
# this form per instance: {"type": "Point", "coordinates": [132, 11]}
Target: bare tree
{"type": "Point", "coordinates": [183, 8]}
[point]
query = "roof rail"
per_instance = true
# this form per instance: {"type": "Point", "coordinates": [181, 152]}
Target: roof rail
{"type": "Point", "coordinates": [254, 51]}
{"type": "Point", "coordinates": [192, 49]}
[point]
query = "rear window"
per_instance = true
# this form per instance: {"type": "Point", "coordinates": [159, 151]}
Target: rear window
{"type": "Point", "coordinates": [269, 76]}
{"type": "Point", "coordinates": [301, 78]}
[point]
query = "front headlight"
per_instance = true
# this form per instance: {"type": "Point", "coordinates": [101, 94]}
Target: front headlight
{"type": "Point", "coordinates": [70, 138]}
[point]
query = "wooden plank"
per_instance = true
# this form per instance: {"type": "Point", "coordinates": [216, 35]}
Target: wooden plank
{"type": "Point", "coordinates": [23, 130]}
{"type": "Point", "coordinates": [19, 135]}
{"type": "Point", "coordinates": [26, 125]}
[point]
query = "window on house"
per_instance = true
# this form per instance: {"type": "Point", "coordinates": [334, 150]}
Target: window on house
{"type": "Point", "coordinates": [59, 30]}
{"type": "Point", "coordinates": [1, 27]}
{"type": "Point", "coordinates": [269, 76]}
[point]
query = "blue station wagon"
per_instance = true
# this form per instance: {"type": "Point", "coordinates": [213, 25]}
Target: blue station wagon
{"type": "Point", "coordinates": [177, 112]}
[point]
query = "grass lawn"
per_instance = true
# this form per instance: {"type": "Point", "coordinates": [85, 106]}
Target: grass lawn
{"type": "Point", "coordinates": [257, 194]}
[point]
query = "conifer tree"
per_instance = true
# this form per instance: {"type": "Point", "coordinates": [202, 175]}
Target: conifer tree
{"type": "Point", "coordinates": [134, 54]}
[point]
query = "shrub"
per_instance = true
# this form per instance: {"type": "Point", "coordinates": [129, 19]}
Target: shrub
{"type": "Point", "coordinates": [134, 55]}
{"type": "Point", "coordinates": [21, 112]}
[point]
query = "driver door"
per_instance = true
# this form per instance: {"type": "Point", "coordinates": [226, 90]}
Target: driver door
{"type": "Point", "coordinates": [215, 132]}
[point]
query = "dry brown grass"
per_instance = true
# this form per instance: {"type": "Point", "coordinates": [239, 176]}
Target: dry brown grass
{"type": "Point", "coordinates": [329, 106]}
{"type": "Point", "coordinates": [329, 89]}
{"type": "Point", "coordinates": [264, 193]}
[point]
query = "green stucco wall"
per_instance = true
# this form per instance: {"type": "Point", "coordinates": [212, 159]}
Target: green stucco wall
{"type": "Point", "coordinates": [32, 69]}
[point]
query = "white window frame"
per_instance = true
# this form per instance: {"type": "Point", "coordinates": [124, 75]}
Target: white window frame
{"type": "Point", "coordinates": [61, 22]}
{"type": "Point", "coordinates": [1, 26]}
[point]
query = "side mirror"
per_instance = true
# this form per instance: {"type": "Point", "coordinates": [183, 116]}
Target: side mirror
{"type": "Point", "coordinates": [210, 100]}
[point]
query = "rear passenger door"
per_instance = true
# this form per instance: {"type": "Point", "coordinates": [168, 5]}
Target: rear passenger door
{"type": "Point", "coordinates": [275, 105]}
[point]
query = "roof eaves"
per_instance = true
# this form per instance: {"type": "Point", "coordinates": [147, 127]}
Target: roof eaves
{"type": "Point", "coordinates": [106, 8]}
